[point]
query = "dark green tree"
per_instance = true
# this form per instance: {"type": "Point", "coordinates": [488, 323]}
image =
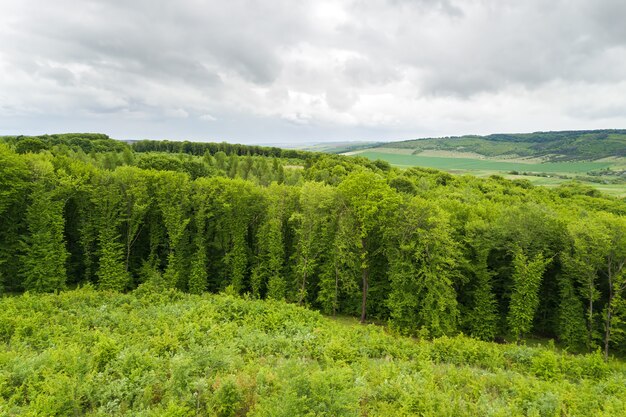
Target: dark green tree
{"type": "Point", "coordinates": [572, 330]}
{"type": "Point", "coordinates": [45, 253]}
{"type": "Point", "coordinates": [198, 274]}
{"type": "Point", "coordinates": [583, 260]}
{"type": "Point", "coordinates": [136, 199]}
{"type": "Point", "coordinates": [340, 268]}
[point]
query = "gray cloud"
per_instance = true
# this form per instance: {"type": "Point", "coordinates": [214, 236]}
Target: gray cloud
{"type": "Point", "coordinates": [340, 68]}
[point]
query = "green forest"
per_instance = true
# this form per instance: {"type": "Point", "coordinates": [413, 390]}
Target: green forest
{"type": "Point", "coordinates": [441, 264]}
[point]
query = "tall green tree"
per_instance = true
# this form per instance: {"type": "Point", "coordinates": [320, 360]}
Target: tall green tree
{"type": "Point", "coordinates": [136, 198]}
{"type": "Point", "coordinates": [340, 267]}
{"type": "Point", "coordinates": [423, 268]}
{"type": "Point", "coordinates": [45, 253]}
{"type": "Point", "coordinates": [370, 200]}
{"type": "Point", "coordinates": [583, 260]}
{"type": "Point", "coordinates": [472, 228]}
{"type": "Point", "coordinates": [198, 274]}
{"type": "Point", "coordinates": [527, 275]}
{"type": "Point", "coordinates": [615, 278]}
{"type": "Point", "coordinates": [112, 273]}
{"type": "Point", "coordinates": [270, 268]}
{"type": "Point", "coordinates": [14, 176]}
{"type": "Point", "coordinates": [172, 197]}
{"type": "Point", "coordinates": [238, 207]}
{"type": "Point", "coordinates": [532, 228]}
{"type": "Point", "coordinates": [311, 224]}
{"type": "Point", "coordinates": [76, 179]}
{"type": "Point", "coordinates": [483, 317]}
{"type": "Point", "coordinates": [572, 330]}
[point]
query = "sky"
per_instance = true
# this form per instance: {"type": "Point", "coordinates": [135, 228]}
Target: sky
{"type": "Point", "coordinates": [291, 71]}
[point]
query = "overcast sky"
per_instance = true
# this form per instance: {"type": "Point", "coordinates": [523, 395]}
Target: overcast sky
{"type": "Point", "coordinates": [287, 71]}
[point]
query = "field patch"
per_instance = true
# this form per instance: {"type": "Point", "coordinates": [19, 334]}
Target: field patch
{"type": "Point", "coordinates": [471, 164]}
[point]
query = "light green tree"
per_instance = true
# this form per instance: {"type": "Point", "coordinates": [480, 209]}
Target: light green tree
{"type": "Point", "coordinates": [270, 267]}
{"type": "Point", "coordinates": [172, 197]}
{"type": "Point", "coordinates": [369, 200]}
{"type": "Point", "coordinates": [13, 185]}
{"type": "Point", "coordinates": [423, 262]}
{"type": "Point", "coordinates": [527, 275]}
{"type": "Point", "coordinates": [311, 224]}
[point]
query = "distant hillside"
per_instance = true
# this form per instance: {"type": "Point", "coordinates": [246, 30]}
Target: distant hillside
{"type": "Point", "coordinates": [582, 145]}
{"type": "Point", "coordinates": [339, 147]}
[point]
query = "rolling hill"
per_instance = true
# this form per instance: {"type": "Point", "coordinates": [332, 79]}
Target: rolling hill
{"type": "Point", "coordinates": [583, 145]}
{"type": "Point", "coordinates": [594, 157]}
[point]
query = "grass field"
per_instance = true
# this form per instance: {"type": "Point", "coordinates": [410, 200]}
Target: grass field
{"type": "Point", "coordinates": [615, 190]}
{"type": "Point", "coordinates": [485, 167]}
{"type": "Point", "coordinates": [468, 164]}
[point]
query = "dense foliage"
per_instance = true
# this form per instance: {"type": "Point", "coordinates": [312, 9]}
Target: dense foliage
{"type": "Point", "coordinates": [555, 146]}
{"type": "Point", "coordinates": [430, 253]}
{"type": "Point", "coordinates": [149, 353]}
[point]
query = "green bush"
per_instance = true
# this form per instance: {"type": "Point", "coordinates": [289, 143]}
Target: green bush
{"type": "Point", "coordinates": [153, 353]}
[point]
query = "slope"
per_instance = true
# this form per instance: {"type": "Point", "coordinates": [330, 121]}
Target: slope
{"type": "Point", "coordinates": [146, 354]}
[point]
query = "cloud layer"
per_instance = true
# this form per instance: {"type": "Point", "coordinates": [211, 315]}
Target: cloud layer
{"type": "Point", "coordinates": [288, 71]}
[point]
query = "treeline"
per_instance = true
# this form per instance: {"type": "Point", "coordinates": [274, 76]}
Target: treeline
{"type": "Point", "coordinates": [99, 143]}
{"type": "Point", "coordinates": [430, 253]}
{"type": "Point", "coordinates": [85, 142]}
{"type": "Point", "coordinates": [201, 148]}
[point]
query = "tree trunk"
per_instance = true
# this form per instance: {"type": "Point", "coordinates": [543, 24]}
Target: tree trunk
{"type": "Point", "coordinates": [607, 324]}
{"type": "Point", "coordinates": [130, 241]}
{"type": "Point", "coordinates": [302, 287]}
{"type": "Point", "coordinates": [365, 288]}
{"type": "Point", "coordinates": [607, 331]}
{"type": "Point", "coordinates": [590, 319]}
{"type": "Point", "coordinates": [129, 238]}
{"type": "Point", "coordinates": [336, 302]}
{"type": "Point", "coordinates": [365, 276]}
{"type": "Point", "coordinates": [128, 245]}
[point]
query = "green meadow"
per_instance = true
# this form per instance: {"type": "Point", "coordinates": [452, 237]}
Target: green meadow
{"type": "Point", "coordinates": [468, 164]}
{"type": "Point", "coordinates": [151, 354]}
